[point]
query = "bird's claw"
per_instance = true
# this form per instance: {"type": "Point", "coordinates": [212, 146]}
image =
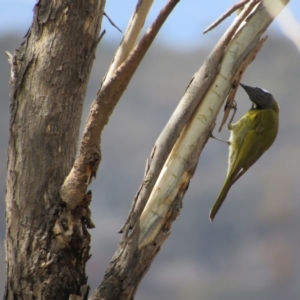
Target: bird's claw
{"type": "Point", "coordinates": [234, 107]}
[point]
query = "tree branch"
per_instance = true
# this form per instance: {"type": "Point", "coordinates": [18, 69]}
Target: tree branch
{"type": "Point", "coordinates": [131, 35]}
{"type": "Point", "coordinates": [195, 91]}
{"type": "Point", "coordinates": [170, 171]}
{"type": "Point", "coordinates": [86, 164]}
{"type": "Point", "coordinates": [234, 8]}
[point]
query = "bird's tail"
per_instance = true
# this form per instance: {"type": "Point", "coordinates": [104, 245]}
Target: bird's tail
{"type": "Point", "coordinates": [224, 191]}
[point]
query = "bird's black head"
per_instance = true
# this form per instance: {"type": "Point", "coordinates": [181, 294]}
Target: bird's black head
{"type": "Point", "coordinates": [261, 98]}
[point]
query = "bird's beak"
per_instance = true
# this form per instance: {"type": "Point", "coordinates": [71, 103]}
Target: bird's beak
{"type": "Point", "coordinates": [245, 87]}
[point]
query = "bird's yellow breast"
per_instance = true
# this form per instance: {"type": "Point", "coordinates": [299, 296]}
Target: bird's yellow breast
{"type": "Point", "coordinates": [261, 124]}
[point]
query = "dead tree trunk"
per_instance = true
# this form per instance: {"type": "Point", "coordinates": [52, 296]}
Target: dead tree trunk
{"type": "Point", "coordinates": [47, 246]}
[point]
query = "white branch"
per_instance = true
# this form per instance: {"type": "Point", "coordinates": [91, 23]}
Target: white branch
{"type": "Point", "coordinates": [131, 35]}
{"type": "Point", "coordinates": [175, 173]}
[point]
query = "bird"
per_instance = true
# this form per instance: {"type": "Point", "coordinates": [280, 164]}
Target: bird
{"type": "Point", "coordinates": [250, 137]}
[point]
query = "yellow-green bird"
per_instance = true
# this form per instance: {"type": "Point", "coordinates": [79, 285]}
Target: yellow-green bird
{"type": "Point", "coordinates": [250, 137]}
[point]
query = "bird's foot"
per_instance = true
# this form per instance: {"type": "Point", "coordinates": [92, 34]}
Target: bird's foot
{"type": "Point", "coordinates": [234, 107]}
{"type": "Point", "coordinates": [213, 137]}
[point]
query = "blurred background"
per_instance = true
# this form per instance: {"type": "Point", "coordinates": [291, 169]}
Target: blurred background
{"type": "Point", "coordinates": [251, 250]}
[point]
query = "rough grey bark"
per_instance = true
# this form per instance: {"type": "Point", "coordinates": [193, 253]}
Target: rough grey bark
{"type": "Point", "coordinates": [47, 245]}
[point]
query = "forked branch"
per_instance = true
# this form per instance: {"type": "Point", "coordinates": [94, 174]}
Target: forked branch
{"type": "Point", "coordinates": [176, 153]}
{"type": "Point", "coordinates": [86, 164]}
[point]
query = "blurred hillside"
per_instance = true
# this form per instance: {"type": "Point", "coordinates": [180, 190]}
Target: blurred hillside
{"type": "Point", "coordinates": [251, 249]}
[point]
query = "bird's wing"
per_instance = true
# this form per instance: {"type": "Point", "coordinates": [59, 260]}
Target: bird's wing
{"type": "Point", "coordinates": [252, 147]}
{"type": "Point", "coordinates": [257, 136]}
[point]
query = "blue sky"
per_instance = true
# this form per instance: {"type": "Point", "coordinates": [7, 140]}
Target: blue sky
{"type": "Point", "coordinates": [183, 29]}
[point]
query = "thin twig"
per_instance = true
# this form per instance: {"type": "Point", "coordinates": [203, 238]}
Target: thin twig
{"type": "Point", "coordinates": [111, 22]}
{"type": "Point", "coordinates": [226, 15]}
{"type": "Point", "coordinates": [101, 36]}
